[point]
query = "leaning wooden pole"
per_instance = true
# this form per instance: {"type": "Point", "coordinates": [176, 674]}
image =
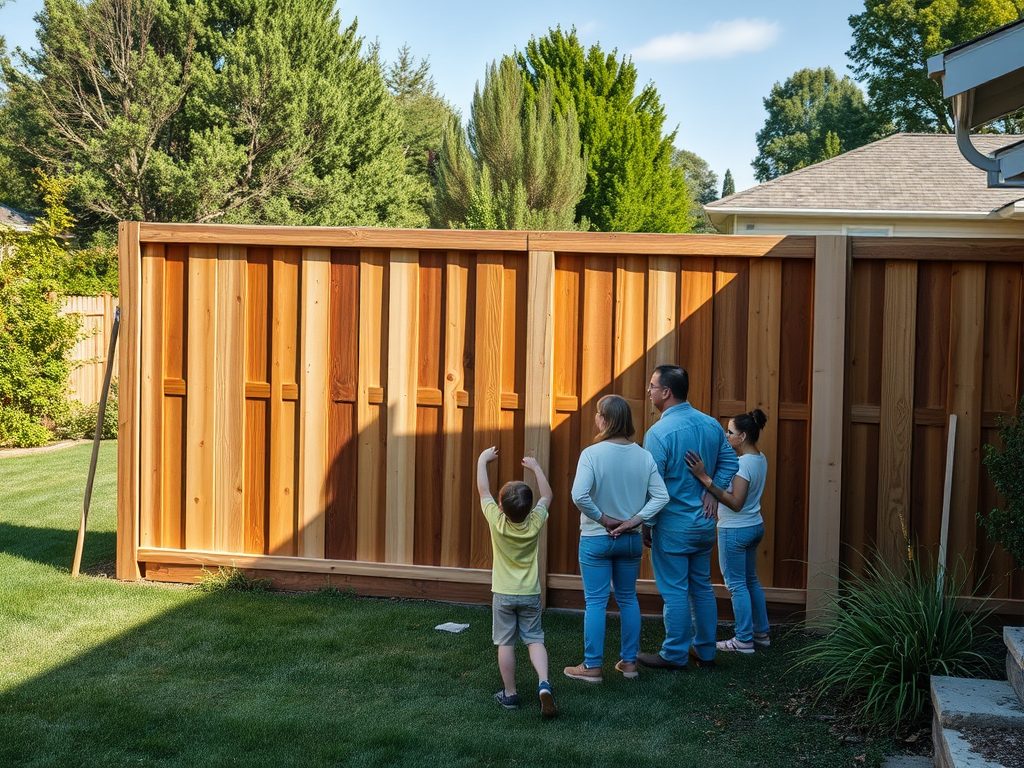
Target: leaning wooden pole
{"type": "Point", "coordinates": [77, 563]}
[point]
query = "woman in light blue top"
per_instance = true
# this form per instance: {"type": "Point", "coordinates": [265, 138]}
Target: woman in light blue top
{"type": "Point", "coordinates": [740, 530]}
{"type": "Point", "coordinates": [617, 488]}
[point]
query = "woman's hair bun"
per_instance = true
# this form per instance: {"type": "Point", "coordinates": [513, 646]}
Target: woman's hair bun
{"type": "Point", "coordinates": [759, 418]}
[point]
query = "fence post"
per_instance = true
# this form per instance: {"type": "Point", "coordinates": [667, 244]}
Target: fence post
{"type": "Point", "coordinates": [540, 363]}
{"type": "Point", "coordinates": [828, 363]}
{"type": "Point", "coordinates": [128, 403]}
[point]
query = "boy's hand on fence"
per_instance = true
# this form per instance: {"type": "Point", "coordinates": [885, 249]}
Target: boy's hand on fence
{"type": "Point", "coordinates": [489, 454]}
{"type": "Point", "coordinates": [531, 464]}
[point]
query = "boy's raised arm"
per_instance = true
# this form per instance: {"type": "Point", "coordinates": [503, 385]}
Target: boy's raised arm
{"type": "Point", "coordinates": [546, 494]}
{"type": "Point", "coordinates": [483, 482]}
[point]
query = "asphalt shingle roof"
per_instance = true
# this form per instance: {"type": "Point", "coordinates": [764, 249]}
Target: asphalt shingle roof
{"type": "Point", "coordinates": [906, 172]}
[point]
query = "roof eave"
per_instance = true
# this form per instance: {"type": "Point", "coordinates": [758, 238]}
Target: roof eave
{"type": "Point", "coordinates": [848, 213]}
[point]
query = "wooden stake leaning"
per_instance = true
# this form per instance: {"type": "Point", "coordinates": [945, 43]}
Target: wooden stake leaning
{"type": "Point", "coordinates": [947, 491]}
{"type": "Point", "coordinates": [77, 563]}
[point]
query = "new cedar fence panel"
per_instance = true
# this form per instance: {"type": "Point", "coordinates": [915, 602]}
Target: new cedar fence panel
{"type": "Point", "coordinates": [309, 403]}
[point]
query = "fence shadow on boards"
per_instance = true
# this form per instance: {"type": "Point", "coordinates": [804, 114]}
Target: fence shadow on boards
{"type": "Point", "coordinates": [308, 403]}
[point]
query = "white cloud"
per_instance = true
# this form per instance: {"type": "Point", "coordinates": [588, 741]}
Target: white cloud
{"type": "Point", "coordinates": [723, 40]}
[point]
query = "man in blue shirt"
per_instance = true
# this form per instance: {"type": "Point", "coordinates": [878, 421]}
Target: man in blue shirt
{"type": "Point", "coordinates": [684, 531]}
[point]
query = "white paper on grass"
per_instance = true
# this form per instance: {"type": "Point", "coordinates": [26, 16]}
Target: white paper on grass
{"type": "Point", "coordinates": [451, 626]}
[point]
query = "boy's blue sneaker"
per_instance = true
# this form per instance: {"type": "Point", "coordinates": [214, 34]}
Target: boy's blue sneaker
{"type": "Point", "coordinates": [547, 700]}
{"type": "Point", "coordinates": [508, 702]}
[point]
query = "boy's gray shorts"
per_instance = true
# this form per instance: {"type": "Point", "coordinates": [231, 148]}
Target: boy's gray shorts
{"type": "Point", "coordinates": [516, 617]}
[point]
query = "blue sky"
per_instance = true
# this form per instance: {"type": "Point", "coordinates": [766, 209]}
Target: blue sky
{"type": "Point", "coordinates": [712, 62]}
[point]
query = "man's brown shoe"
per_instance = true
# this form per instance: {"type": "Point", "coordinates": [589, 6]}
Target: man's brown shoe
{"type": "Point", "coordinates": [701, 664]}
{"type": "Point", "coordinates": [657, 661]}
{"type": "Point", "coordinates": [627, 668]}
{"type": "Point", "coordinates": [584, 673]}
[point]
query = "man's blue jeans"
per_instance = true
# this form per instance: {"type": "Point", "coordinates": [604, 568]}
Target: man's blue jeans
{"type": "Point", "coordinates": [605, 561]}
{"type": "Point", "coordinates": [737, 554]}
{"type": "Point", "coordinates": [682, 570]}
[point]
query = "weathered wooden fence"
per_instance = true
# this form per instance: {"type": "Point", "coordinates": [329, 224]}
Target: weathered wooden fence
{"type": "Point", "coordinates": [309, 402]}
{"type": "Point", "coordinates": [89, 355]}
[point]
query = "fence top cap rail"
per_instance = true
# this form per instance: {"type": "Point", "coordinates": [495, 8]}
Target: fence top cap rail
{"type": "Point", "coordinates": [479, 240]}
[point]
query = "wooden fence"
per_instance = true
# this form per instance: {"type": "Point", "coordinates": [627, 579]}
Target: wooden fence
{"type": "Point", "coordinates": [308, 403]}
{"type": "Point", "coordinates": [89, 355]}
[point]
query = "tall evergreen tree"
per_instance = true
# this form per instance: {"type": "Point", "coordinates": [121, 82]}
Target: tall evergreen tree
{"type": "Point", "coordinates": [517, 166]}
{"type": "Point", "coordinates": [892, 40]}
{"type": "Point", "coordinates": [814, 115]}
{"type": "Point", "coordinates": [632, 185]}
{"type": "Point", "coordinates": [701, 184]}
{"type": "Point", "coordinates": [226, 110]}
{"type": "Point", "coordinates": [425, 113]}
{"type": "Point", "coordinates": [728, 185]}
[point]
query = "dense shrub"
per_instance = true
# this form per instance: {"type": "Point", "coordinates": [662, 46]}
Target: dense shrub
{"type": "Point", "coordinates": [1006, 526]}
{"type": "Point", "coordinates": [888, 634]}
{"type": "Point", "coordinates": [19, 430]}
{"type": "Point", "coordinates": [80, 420]}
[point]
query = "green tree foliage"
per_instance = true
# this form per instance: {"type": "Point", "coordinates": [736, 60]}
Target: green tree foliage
{"type": "Point", "coordinates": [632, 185]}
{"type": "Point", "coordinates": [217, 110]}
{"type": "Point", "coordinates": [518, 165]}
{"type": "Point", "coordinates": [1006, 526]}
{"type": "Point", "coordinates": [34, 338]}
{"type": "Point", "coordinates": [701, 184]}
{"type": "Point", "coordinates": [424, 113]}
{"type": "Point", "coordinates": [728, 185]}
{"type": "Point", "coordinates": [892, 40]}
{"type": "Point", "coordinates": [811, 117]}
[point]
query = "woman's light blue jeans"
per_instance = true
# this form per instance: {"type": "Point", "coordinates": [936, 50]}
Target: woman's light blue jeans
{"type": "Point", "coordinates": [605, 561]}
{"type": "Point", "coordinates": [737, 554]}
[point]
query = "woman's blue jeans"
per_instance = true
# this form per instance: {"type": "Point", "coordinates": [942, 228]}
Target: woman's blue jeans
{"type": "Point", "coordinates": [605, 561]}
{"type": "Point", "coordinates": [737, 554]}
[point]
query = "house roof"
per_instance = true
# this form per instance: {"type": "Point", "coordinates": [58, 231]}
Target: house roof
{"type": "Point", "coordinates": [22, 222]}
{"type": "Point", "coordinates": [905, 175]}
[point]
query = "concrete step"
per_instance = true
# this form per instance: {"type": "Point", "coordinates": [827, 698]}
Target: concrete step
{"type": "Point", "coordinates": [962, 707]}
{"type": "Point", "coordinates": [1014, 639]}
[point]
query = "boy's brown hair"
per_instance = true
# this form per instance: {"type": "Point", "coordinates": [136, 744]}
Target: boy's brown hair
{"type": "Point", "coordinates": [515, 500]}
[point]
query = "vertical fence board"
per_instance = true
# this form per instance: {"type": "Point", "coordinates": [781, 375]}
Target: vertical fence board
{"type": "Point", "coordinates": [403, 348]}
{"type": "Point", "coordinates": [539, 369]}
{"type": "Point", "coordinates": [729, 362]}
{"type": "Point", "coordinates": [596, 372]}
{"type": "Point", "coordinates": [257, 371]}
{"type": "Point", "coordinates": [229, 395]}
{"type": "Point", "coordinates": [966, 347]}
{"type": "Point", "coordinates": [340, 523]}
{"type": "Point", "coordinates": [487, 383]}
{"type": "Point", "coordinates": [152, 397]}
{"type": "Point", "coordinates": [429, 418]}
{"type": "Point", "coordinates": [201, 403]}
{"type": "Point", "coordinates": [897, 409]}
{"type": "Point", "coordinates": [282, 492]}
{"type": "Point", "coordinates": [1001, 360]}
{"type": "Point", "coordinates": [456, 503]}
{"type": "Point", "coordinates": [371, 424]}
{"type": "Point", "coordinates": [564, 520]}
{"type": "Point", "coordinates": [825, 492]}
{"type": "Point", "coordinates": [696, 328]}
{"type": "Point", "coordinates": [172, 519]}
{"type": "Point", "coordinates": [763, 352]}
{"type": "Point", "coordinates": [629, 371]}
{"type": "Point", "coordinates": [128, 420]}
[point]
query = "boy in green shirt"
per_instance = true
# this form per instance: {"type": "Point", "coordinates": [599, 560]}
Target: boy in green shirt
{"type": "Point", "coordinates": [515, 526]}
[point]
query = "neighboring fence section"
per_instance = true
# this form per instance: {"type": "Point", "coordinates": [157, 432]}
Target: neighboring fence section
{"type": "Point", "coordinates": [89, 355]}
{"type": "Point", "coordinates": [310, 402]}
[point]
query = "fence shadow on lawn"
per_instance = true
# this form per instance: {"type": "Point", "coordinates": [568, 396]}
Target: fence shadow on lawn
{"type": "Point", "coordinates": [55, 547]}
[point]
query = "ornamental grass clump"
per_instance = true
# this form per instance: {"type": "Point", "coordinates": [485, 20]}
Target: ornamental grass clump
{"type": "Point", "coordinates": [889, 631]}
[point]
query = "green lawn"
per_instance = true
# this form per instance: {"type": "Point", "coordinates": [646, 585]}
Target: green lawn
{"type": "Point", "coordinates": [98, 673]}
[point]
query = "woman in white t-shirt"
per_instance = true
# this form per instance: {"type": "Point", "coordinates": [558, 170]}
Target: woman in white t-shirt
{"type": "Point", "coordinates": [617, 487]}
{"type": "Point", "coordinates": [740, 530]}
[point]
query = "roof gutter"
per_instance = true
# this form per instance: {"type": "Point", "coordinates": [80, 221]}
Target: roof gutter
{"type": "Point", "coordinates": [851, 213]}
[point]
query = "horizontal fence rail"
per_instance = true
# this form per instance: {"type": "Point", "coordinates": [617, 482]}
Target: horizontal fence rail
{"type": "Point", "coordinates": [310, 402]}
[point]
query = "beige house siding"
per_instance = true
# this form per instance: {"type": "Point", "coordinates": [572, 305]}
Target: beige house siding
{"type": "Point", "coordinates": [752, 224]}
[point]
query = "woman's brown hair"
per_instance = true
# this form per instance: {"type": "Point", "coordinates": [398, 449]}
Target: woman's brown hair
{"type": "Point", "coordinates": [618, 418]}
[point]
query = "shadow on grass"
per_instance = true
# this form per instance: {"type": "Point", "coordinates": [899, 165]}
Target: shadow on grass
{"type": "Point", "coordinates": [55, 547]}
